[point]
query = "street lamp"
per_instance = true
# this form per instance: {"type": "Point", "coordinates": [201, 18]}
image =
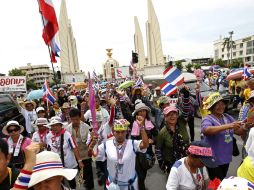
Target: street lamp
{"type": "Point", "coordinates": [231, 45]}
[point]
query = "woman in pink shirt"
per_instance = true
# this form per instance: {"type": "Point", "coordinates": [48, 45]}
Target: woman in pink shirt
{"type": "Point", "coordinates": [16, 142]}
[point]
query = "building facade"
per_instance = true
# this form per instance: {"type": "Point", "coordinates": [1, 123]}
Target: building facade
{"type": "Point", "coordinates": [109, 66]}
{"type": "Point", "coordinates": [69, 55]}
{"type": "Point", "coordinates": [38, 73]}
{"type": "Point", "coordinates": [242, 48]}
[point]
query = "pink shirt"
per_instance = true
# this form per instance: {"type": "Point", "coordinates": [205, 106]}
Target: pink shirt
{"type": "Point", "coordinates": [135, 128]}
{"type": "Point", "coordinates": [26, 142]}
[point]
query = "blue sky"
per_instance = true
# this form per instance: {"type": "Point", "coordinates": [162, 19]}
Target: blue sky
{"type": "Point", "coordinates": [188, 28]}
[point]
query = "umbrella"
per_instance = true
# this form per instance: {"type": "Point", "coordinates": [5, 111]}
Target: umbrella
{"type": "Point", "coordinates": [214, 67]}
{"type": "Point", "coordinates": [35, 94]}
{"type": "Point", "coordinates": [238, 73]}
{"type": "Point", "coordinates": [126, 84]}
{"type": "Point", "coordinates": [104, 83]}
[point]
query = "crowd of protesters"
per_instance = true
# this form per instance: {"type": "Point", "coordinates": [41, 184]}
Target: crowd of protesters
{"type": "Point", "coordinates": [136, 126]}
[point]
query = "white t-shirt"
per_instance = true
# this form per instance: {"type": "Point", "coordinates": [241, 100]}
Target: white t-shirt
{"type": "Point", "coordinates": [36, 138]}
{"type": "Point", "coordinates": [127, 170]}
{"type": "Point", "coordinates": [68, 146]}
{"type": "Point", "coordinates": [30, 117]}
{"type": "Point", "coordinates": [103, 112]}
{"type": "Point", "coordinates": [180, 177]}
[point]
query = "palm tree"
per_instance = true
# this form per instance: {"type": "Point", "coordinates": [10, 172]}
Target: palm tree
{"type": "Point", "coordinates": [229, 45]}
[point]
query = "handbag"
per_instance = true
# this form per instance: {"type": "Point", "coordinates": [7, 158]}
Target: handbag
{"type": "Point", "coordinates": [236, 151]}
{"type": "Point", "coordinates": [146, 160]}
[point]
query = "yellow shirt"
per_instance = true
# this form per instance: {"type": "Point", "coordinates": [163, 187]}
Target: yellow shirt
{"type": "Point", "coordinates": [246, 93]}
{"type": "Point", "coordinates": [246, 170]}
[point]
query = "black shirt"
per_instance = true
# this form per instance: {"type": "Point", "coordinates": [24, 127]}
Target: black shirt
{"type": "Point", "coordinates": [7, 184]}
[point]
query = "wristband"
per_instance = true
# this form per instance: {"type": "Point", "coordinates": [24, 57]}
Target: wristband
{"type": "Point", "coordinates": [23, 179]}
{"type": "Point", "coordinates": [79, 161]}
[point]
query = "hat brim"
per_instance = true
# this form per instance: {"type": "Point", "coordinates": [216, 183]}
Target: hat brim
{"type": "Point", "coordinates": [211, 105]}
{"type": "Point", "coordinates": [23, 104]}
{"type": "Point", "coordinates": [42, 175]}
{"type": "Point", "coordinates": [50, 124]}
{"type": "Point", "coordinates": [5, 132]}
{"type": "Point", "coordinates": [208, 162]}
{"type": "Point", "coordinates": [142, 108]}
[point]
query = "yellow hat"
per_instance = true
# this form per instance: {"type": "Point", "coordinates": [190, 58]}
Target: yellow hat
{"type": "Point", "coordinates": [212, 99]}
{"type": "Point", "coordinates": [121, 125]}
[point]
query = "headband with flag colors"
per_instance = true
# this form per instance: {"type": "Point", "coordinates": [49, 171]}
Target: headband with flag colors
{"type": "Point", "coordinates": [50, 27]}
{"type": "Point", "coordinates": [47, 94]}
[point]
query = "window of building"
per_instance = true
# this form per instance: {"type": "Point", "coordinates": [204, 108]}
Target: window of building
{"type": "Point", "coordinates": [222, 55]}
{"type": "Point", "coordinates": [241, 52]}
{"type": "Point", "coordinates": [247, 58]}
{"type": "Point", "coordinates": [249, 51]}
{"type": "Point", "coordinates": [234, 54]}
{"type": "Point", "coordinates": [241, 45]}
{"type": "Point", "coordinates": [222, 49]}
{"type": "Point", "coordinates": [249, 44]}
{"type": "Point", "coordinates": [234, 46]}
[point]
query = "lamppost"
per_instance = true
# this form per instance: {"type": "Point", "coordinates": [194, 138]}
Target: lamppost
{"type": "Point", "coordinates": [231, 45]}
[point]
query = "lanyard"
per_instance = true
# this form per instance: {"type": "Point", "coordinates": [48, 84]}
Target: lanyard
{"type": "Point", "coordinates": [120, 152]}
{"type": "Point", "coordinates": [195, 180]}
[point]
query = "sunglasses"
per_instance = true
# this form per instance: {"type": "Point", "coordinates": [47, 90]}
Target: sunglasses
{"type": "Point", "coordinates": [12, 130]}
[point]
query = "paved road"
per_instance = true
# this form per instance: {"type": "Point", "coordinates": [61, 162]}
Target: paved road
{"type": "Point", "coordinates": [157, 180]}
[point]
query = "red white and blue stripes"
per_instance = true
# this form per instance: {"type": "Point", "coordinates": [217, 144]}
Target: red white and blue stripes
{"type": "Point", "coordinates": [47, 166]}
{"type": "Point", "coordinates": [23, 179]}
{"type": "Point", "coordinates": [47, 94]}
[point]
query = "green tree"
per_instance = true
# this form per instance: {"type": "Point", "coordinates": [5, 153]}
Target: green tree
{"type": "Point", "coordinates": [197, 66]}
{"type": "Point", "coordinates": [179, 65]}
{"type": "Point", "coordinates": [30, 85]}
{"type": "Point", "coordinates": [17, 72]}
{"type": "Point", "coordinates": [236, 63]}
{"type": "Point", "coordinates": [189, 68]}
{"type": "Point", "coordinates": [219, 62]}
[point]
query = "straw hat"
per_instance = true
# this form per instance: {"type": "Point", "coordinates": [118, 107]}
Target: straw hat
{"type": "Point", "coordinates": [11, 123]}
{"type": "Point", "coordinates": [23, 104]}
{"type": "Point", "coordinates": [49, 164]}
{"type": "Point", "coordinates": [140, 106]}
{"type": "Point", "coordinates": [137, 88]}
{"type": "Point", "coordinates": [212, 100]}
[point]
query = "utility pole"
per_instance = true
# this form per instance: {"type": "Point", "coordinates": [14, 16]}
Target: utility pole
{"type": "Point", "coordinates": [231, 45]}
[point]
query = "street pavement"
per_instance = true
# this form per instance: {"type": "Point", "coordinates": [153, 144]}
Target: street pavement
{"type": "Point", "coordinates": [156, 179]}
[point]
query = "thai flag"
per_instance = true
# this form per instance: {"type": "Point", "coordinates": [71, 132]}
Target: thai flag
{"type": "Point", "coordinates": [168, 88]}
{"type": "Point", "coordinates": [246, 73]}
{"type": "Point", "coordinates": [139, 82]}
{"type": "Point", "coordinates": [50, 27]}
{"type": "Point", "coordinates": [119, 73]}
{"type": "Point", "coordinates": [95, 75]}
{"type": "Point", "coordinates": [173, 76]}
{"type": "Point", "coordinates": [47, 94]}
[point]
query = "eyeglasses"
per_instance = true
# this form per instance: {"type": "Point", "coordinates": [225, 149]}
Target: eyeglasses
{"type": "Point", "coordinates": [13, 130]}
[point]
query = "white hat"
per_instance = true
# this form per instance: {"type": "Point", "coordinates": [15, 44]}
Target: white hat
{"type": "Point", "coordinates": [235, 183]}
{"type": "Point", "coordinates": [42, 121]}
{"type": "Point", "coordinates": [140, 106]}
{"type": "Point", "coordinates": [55, 120]}
{"type": "Point", "coordinates": [40, 109]}
{"type": "Point", "coordinates": [49, 164]}
{"type": "Point", "coordinates": [12, 123]}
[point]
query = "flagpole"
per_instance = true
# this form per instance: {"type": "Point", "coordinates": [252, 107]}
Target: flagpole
{"type": "Point", "coordinates": [54, 76]}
